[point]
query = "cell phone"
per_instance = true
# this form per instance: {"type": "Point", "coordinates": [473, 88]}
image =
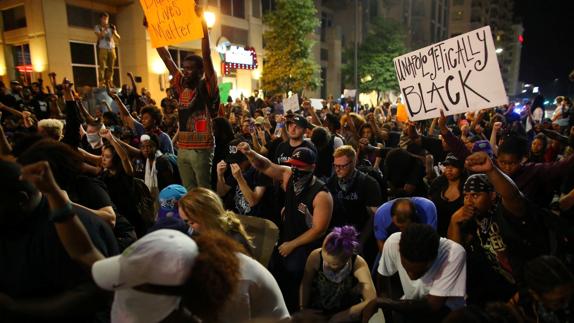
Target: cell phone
{"type": "Point", "coordinates": [138, 79]}
{"type": "Point", "coordinates": [251, 126]}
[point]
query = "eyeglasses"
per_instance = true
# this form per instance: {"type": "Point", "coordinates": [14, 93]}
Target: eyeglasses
{"type": "Point", "coordinates": [342, 166]}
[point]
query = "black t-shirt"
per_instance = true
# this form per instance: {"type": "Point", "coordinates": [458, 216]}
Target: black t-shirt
{"type": "Point", "coordinates": [121, 189]}
{"type": "Point", "coordinates": [500, 246]}
{"type": "Point", "coordinates": [35, 265]}
{"type": "Point", "coordinates": [445, 209]}
{"type": "Point", "coordinates": [285, 150]}
{"type": "Point", "coordinates": [235, 200]}
{"type": "Point", "coordinates": [40, 106]}
{"type": "Point", "coordinates": [350, 206]}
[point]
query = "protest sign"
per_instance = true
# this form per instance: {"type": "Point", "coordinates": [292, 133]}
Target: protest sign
{"type": "Point", "coordinates": [171, 22]}
{"type": "Point", "coordinates": [317, 104]}
{"type": "Point", "coordinates": [349, 93]}
{"type": "Point", "coordinates": [458, 75]}
{"type": "Point", "coordinates": [224, 89]}
{"type": "Point", "coordinates": [291, 103]}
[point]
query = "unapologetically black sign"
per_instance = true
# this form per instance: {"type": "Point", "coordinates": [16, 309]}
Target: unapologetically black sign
{"type": "Point", "coordinates": [458, 75]}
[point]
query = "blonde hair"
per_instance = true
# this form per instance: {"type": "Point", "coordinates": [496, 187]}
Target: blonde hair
{"type": "Point", "coordinates": [53, 128]}
{"type": "Point", "coordinates": [345, 150]}
{"type": "Point", "coordinates": [206, 207]}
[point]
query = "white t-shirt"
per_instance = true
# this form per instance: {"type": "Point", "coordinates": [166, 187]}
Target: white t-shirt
{"type": "Point", "coordinates": [445, 278]}
{"type": "Point", "coordinates": [258, 295]}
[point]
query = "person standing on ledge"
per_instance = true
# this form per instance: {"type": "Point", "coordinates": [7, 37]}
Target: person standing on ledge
{"type": "Point", "coordinates": [106, 49]}
{"type": "Point", "coordinates": [198, 98]}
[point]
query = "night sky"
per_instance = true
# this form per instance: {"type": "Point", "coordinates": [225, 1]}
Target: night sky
{"type": "Point", "coordinates": [548, 48]}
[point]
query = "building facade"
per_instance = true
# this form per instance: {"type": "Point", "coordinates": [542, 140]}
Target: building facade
{"type": "Point", "coordinates": [467, 15]}
{"type": "Point", "coordinates": [42, 36]}
{"type": "Point", "coordinates": [425, 21]}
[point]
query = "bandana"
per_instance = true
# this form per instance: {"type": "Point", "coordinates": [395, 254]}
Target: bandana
{"type": "Point", "coordinates": [300, 179]}
{"type": "Point", "coordinates": [339, 276]}
{"type": "Point", "coordinates": [478, 183]}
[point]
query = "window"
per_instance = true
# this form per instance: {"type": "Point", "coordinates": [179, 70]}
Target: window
{"type": "Point", "coordinates": [268, 5]}
{"type": "Point", "coordinates": [178, 54]}
{"type": "Point", "coordinates": [22, 61]}
{"type": "Point", "coordinates": [256, 8]}
{"type": "Point", "coordinates": [323, 82]}
{"type": "Point", "coordinates": [239, 8]}
{"type": "Point", "coordinates": [235, 8]}
{"type": "Point", "coordinates": [324, 54]}
{"type": "Point", "coordinates": [84, 17]}
{"type": "Point", "coordinates": [14, 18]}
{"type": "Point", "coordinates": [235, 35]}
{"type": "Point", "coordinates": [85, 64]}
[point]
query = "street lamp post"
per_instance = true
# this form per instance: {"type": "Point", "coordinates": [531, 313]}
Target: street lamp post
{"type": "Point", "coordinates": [356, 53]}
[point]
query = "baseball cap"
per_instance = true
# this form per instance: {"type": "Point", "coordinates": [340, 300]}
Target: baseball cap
{"type": "Point", "coordinates": [259, 120]}
{"type": "Point", "coordinates": [234, 155]}
{"type": "Point", "coordinates": [164, 257]}
{"type": "Point", "coordinates": [452, 160]}
{"type": "Point", "coordinates": [168, 198]}
{"type": "Point", "coordinates": [302, 157]}
{"type": "Point", "coordinates": [483, 145]}
{"type": "Point", "coordinates": [300, 121]}
{"type": "Point", "coordinates": [478, 183]}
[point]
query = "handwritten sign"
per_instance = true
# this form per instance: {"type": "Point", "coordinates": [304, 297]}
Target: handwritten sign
{"type": "Point", "coordinates": [171, 21]}
{"type": "Point", "coordinates": [291, 103]}
{"type": "Point", "coordinates": [458, 75]}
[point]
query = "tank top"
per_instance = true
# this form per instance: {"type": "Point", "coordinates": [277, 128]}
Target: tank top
{"type": "Point", "coordinates": [331, 297]}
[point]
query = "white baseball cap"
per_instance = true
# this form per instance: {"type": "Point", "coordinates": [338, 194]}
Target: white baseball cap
{"type": "Point", "coordinates": [164, 257]}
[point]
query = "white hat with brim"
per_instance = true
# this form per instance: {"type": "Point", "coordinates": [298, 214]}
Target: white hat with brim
{"type": "Point", "coordinates": [132, 306]}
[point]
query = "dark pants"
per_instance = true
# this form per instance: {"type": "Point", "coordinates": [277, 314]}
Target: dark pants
{"type": "Point", "coordinates": [288, 272]}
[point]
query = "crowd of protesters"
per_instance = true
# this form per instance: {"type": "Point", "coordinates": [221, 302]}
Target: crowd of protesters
{"type": "Point", "coordinates": [138, 216]}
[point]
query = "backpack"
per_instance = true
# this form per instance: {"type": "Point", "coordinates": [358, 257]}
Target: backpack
{"type": "Point", "coordinates": [144, 201]}
{"type": "Point", "coordinates": [378, 176]}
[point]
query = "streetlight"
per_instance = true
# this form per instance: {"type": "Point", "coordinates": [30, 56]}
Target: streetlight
{"type": "Point", "coordinates": [499, 50]}
{"type": "Point", "coordinates": [209, 19]}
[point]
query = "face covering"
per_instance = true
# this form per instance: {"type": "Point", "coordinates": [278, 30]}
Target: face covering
{"type": "Point", "coordinates": [93, 138]}
{"type": "Point", "coordinates": [300, 179]}
{"type": "Point", "coordinates": [339, 276]}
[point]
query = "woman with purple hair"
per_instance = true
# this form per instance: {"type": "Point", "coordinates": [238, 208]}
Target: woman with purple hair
{"type": "Point", "coordinates": [337, 280]}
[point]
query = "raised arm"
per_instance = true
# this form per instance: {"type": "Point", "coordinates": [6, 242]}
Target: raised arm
{"type": "Point", "coordinates": [252, 196]}
{"type": "Point", "coordinates": [124, 112]}
{"type": "Point", "coordinates": [165, 56]}
{"type": "Point", "coordinates": [89, 118]}
{"type": "Point", "coordinates": [70, 229]}
{"type": "Point", "coordinates": [512, 198]}
{"type": "Point", "coordinates": [210, 76]}
{"type": "Point", "coordinates": [126, 163]}
{"type": "Point", "coordinates": [264, 165]}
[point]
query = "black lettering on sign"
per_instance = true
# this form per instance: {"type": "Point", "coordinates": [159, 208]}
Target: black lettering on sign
{"type": "Point", "coordinates": [465, 87]}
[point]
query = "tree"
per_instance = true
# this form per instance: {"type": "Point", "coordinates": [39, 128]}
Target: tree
{"type": "Point", "coordinates": [287, 65]}
{"type": "Point", "coordinates": [385, 41]}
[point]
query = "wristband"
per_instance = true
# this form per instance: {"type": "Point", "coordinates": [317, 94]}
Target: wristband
{"type": "Point", "coordinates": [62, 214]}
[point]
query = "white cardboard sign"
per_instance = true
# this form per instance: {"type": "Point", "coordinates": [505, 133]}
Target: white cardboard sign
{"type": "Point", "coordinates": [458, 75]}
{"type": "Point", "coordinates": [317, 104]}
{"type": "Point", "coordinates": [291, 103]}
